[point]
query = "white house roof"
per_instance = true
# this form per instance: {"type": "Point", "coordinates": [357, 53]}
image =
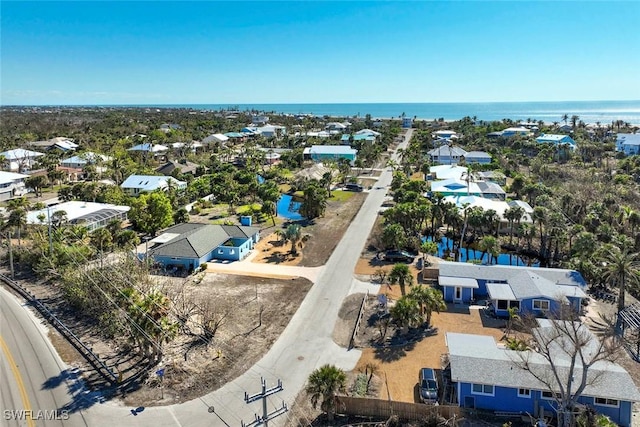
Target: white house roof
{"type": "Point", "coordinates": [20, 154]}
{"type": "Point", "coordinates": [154, 148]}
{"type": "Point", "coordinates": [87, 157]}
{"type": "Point", "coordinates": [497, 205]}
{"type": "Point", "coordinates": [549, 137]}
{"type": "Point", "coordinates": [516, 129]}
{"type": "Point", "coordinates": [448, 171]}
{"type": "Point", "coordinates": [329, 149]}
{"type": "Point", "coordinates": [524, 205]}
{"type": "Point", "coordinates": [216, 137]}
{"type": "Point", "coordinates": [463, 282]}
{"type": "Point", "coordinates": [9, 177]}
{"type": "Point", "coordinates": [500, 291]}
{"type": "Point", "coordinates": [477, 359]}
{"type": "Point", "coordinates": [445, 133]}
{"type": "Point", "coordinates": [149, 182]}
{"type": "Point", "coordinates": [368, 132]}
{"type": "Point", "coordinates": [74, 210]}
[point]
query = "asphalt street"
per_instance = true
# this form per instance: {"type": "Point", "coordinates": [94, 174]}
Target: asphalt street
{"type": "Point", "coordinates": [305, 345]}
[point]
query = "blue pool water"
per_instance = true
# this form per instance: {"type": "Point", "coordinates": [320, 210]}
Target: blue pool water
{"type": "Point", "coordinates": [287, 208]}
{"type": "Point", "coordinates": [503, 259]}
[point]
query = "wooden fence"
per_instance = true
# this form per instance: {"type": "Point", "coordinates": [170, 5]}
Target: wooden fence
{"type": "Point", "coordinates": [358, 320]}
{"type": "Point", "coordinates": [379, 408]}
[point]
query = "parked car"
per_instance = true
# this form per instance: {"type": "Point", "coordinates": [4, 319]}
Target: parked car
{"type": "Point", "coordinates": [428, 386]}
{"type": "Point", "coordinates": [353, 187]}
{"type": "Point", "coordinates": [395, 256]}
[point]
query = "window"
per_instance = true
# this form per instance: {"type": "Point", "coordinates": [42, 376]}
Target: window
{"type": "Point", "coordinates": [607, 402]}
{"type": "Point", "coordinates": [514, 304]}
{"type": "Point", "coordinates": [503, 304]}
{"type": "Point", "coordinates": [541, 304]}
{"type": "Point", "coordinates": [482, 389]}
{"type": "Point", "coordinates": [549, 395]}
{"type": "Point", "coordinates": [524, 392]}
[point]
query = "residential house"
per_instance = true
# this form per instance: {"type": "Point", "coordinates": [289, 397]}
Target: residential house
{"type": "Point", "coordinates": [137, 184]}
{"type": "Point", "coordinates": [88, 214]}
{"type": "Point", "coordinates": [59, 143]}
{"type": "Point", "coordinates": [446, 154]}
{"type": "Point", "coordinates": [479, 157]}
{"type": "Point", "coordinates": [558, 140]}
{"type": "Point", "coordinates": [487, 376]}
{"type": "Point", "coordinates": [347, 138]}
{"type": "Point", "coordinates": [407, 122]}
{"type": "Point", "coordinates": [187, 246]}
{"type": "Point", "coordinates": [499, 206]}
{"type": "Point", "coordinates": [629, 143]}
{"type": "Point", "coordinates": [444, 133]}
{"type": "Point", "coordinates": [515, 131]}
{"type": "Point", "coordinates": [271, 131]}
{"type": "Point", "coordinates": [168, 127]}
{"type": "Point", "coordinates": [81, 160]}
{"type": "Point", "coordinates": [183, 147]}
{"type": "Point", "coordinates": [533, 290]}
{"type": "Point", "coordinates": [259, 120]}
{"type": "Point", "coordinates": [368, 132]}
{"type": "Point", "coordinates": [320, 153]}
{"type": "Point", "coordinates": [157, 150]}
{"type": "Point", "coordinates": [182, 166]}
{"type": "Point", "coordinates": [216, 138]}
{"type": "Point", "coordinates": [335, 127]}
{"type": "Point", "coordinates": [19, 159]}
{"type": "Point", "coordinates": [12, 185]}
{"type": "Point", "coordinates": [459, 187]}
{"type": "Point", "coordinates": [443, 172]}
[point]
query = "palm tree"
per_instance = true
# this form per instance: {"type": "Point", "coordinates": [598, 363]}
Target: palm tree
{"type": "Point", "coordinates": [324, 384]}
{"type": "Point", "coordinates": [490, 245]}
{"type": "Point", "coordinates": [622, 268]}
{"type": "Point", "coordinates": [293, 234]}
{"type": "Point", "coordinates": [429, 300]}
{"type": "Point", "coordinates": [406, 313]}
{"type": "Point", "coordinates": [401, 275]}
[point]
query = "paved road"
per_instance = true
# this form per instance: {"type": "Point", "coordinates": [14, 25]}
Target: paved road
{"type": "Point", "coordinates": [43, 383]}
{"type": "Point", "coordinates": [304, 345]}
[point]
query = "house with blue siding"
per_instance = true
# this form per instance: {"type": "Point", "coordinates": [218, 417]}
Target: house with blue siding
{"type": "Point", "coordinates": [187, 246]}
{"type": "Point", "coordinates": [557, 140]}
{"type": "Point", "coordinates": [490, 377]}
{"type": "Point", "coordinates": [628, 143]}
{"type": "Point", "coordinates": [531, 290]}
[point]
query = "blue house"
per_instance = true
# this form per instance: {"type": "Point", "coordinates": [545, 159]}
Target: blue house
{"type": "Point", "coordinates": [486, 376]}
{"type": "Point", "coordinates": [530, 289]}
{"type": "Point", "coordinates": [557, 140]}
{"type": "Point", "coordinates": [187, 246]}
{"type": "Point", "coordinates": [629, 143]}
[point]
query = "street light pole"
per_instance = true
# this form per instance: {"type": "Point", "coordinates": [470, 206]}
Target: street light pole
{"type": "Point", "coordinates": [50, 235]}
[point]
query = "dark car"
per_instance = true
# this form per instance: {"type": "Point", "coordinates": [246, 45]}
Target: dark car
{"type": "Point", "coordinates": [353, 187]}
{"type": "Point", "coordinates": [428, 386]}
{"type": "Point", "coordinates": [398, 256]}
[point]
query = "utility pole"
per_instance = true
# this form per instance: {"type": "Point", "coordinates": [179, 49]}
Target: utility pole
{"type": "Point", "coordinates": [50, 235]}
{"type": "Point", "coordinates": [266, 416]}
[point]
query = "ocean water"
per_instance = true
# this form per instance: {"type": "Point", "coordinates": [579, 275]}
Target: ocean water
{"type": "Point", "coordinates": [588, 111]}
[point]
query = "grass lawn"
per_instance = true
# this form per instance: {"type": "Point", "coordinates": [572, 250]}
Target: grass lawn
{"type": "Point", "coordinates": [247, 209]}
{"type": "Point", "coordinates": [341, 196]}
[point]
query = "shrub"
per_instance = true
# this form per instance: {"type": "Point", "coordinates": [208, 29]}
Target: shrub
{"type": "Point", "coordinates": [360, 385]}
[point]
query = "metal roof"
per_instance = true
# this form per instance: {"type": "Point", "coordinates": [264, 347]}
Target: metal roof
{"type": "Point", "coordinates": [463, 282]}
{"type": "Point", "coordinates": [500, 291]}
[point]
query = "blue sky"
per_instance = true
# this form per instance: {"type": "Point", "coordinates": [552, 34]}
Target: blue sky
{"type": "Point", "coordinates": [161, 52]}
